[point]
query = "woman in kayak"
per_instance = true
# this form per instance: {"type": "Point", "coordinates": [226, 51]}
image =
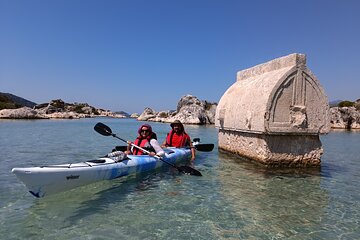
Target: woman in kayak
{"type": "Point", "coordinates": [177, 137]}
{"type": "Point", "coordinates": [147, 139]}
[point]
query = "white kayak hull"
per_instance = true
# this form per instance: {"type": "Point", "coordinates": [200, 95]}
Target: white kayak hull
{"type": "Point", "coordinates": [47, 180]}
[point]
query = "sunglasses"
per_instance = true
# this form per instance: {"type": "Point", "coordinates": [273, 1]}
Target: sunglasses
{"type": "Point", "coordinates": [144, 130]}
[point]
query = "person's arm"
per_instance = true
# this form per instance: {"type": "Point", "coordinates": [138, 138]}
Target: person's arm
{"type": "Point", "coordinates": [164, 143]}
{"type": "Point", "coordinates": [192, 151]}
{"type": "Point", "coordinates": [155, 144]}
{"type": "Point", "coordinates": [128, 148]}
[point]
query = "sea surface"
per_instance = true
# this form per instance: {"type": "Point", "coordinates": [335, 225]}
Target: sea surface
{"type": "Point", "coordinates": [234, 199]}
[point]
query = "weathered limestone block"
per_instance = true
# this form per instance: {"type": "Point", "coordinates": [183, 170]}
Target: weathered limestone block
{"type": "Point", "coordinates": [274, 114]}
{"type": "Point", "coordinates": [274, 150]}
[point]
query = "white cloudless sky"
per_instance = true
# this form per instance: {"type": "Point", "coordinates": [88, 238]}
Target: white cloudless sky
{"type": "Point", "coordinates": [131, 54]}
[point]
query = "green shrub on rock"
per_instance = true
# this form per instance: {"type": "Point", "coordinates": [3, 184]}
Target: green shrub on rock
{"type": "Point", "coordinates": [346, 104]}
{"type": "Point", "coordinates": [6, 105]}
{"type": "Point", "coordinates": [78, 109]}
{"type": "Point", "coordinates": [357, 106]}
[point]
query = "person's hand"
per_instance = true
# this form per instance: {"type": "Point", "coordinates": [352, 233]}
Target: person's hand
{"type": "Point", "coordinates": [152, 154]}
{"type": "Point", "coordinates": [129, 142]}
{"type": "Point", "coordinates": [192, 158]}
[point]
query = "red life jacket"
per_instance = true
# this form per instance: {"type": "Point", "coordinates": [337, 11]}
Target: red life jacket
{"type": "Point", "coordinates": [143, 143]}
{"type": "Point", "coordinates": [184, 139]}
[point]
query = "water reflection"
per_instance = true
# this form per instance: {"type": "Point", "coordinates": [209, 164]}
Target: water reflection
{"type": "Point", "coordinates": [115, 202]}
{"type": "Point", "coordinates": [273, 202]}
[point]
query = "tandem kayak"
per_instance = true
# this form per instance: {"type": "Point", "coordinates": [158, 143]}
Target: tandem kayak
{"type": "Point", "coordinates": [51, 179]}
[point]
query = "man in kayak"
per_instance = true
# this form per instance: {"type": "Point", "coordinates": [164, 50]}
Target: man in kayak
{"type": "Point", "coordinates": [177, 137]}
{"type": "Point", "coordinates": [147, 139]}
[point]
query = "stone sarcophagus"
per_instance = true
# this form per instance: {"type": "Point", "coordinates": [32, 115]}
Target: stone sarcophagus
{"type": "Point", "coordinates": [274, 114]}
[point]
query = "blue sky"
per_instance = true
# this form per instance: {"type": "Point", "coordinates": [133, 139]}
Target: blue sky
{"type": "Point", "coordinates": [131, 54]}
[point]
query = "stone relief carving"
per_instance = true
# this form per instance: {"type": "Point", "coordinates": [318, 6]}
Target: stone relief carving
{"type": "Point", "coordinates": [298, 117]}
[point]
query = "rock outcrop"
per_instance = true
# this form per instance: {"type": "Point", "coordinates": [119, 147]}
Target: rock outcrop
{"type": "Point", "coordinates": [58, 109]}
{"type": "Point", "coordinates": [22, 113]}
{"type": "Point", "coordinates": [344, 118]}
{"type": "Point", "coordinates": [190, 110]}
{"type": "Point", "coordinates": [134, 115]}
{"type": "Point", "coordinates": [147, 114]}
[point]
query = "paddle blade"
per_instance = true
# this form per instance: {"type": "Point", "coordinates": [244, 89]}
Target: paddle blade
{"type": "Point", "coordinates": [121, 148]}
{"type": "Point", "coordinates": [204, 147]}
{"type": "Point", "coordinates": [189, 170]}
{"type": "Point", "coordinates": [103, 129]}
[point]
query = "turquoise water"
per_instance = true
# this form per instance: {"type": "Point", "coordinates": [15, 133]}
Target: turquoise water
{"type": "Point", "coordinates": [234, 199]}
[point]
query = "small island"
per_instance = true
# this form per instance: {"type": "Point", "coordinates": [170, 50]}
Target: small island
{"type": "Point", "coordinates": [14, 107]}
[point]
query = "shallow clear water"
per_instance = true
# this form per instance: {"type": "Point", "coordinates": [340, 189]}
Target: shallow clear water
{"type": "Point", "coordinates": [235, 199]}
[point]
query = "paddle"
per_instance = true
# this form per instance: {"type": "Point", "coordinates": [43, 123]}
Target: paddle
{"type": "Point", "coordinates": [121, 148]}
{"type": "Point", "coordinates": [106, 131]}
{"type": "Point", "coordinates": [208, 147]}
{"type": "Point", "coordinates": [202, 147]}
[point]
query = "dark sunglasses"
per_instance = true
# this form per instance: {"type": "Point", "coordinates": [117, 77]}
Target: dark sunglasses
{"type": "Point", "coordinates": [143, 130]}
